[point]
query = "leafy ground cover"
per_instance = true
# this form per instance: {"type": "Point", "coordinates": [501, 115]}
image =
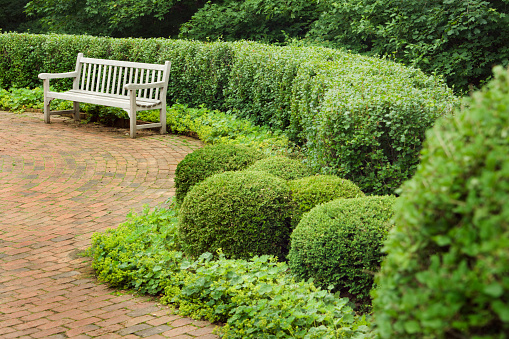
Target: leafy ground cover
{"type": "Point", "coordinates": [255, 298]}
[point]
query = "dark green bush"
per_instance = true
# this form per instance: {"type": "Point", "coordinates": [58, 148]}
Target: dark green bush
{"type": "Point", "coordinates": [244, 213]}
{"type": "Point", "coordinates": [446, 272]}
{"type": "Point", "coordinates": [460, 40]}
{"type": "Point", "coordinates": [259, 20]}
{"type": "Point", "coordinates": [209, 160]}
{"type": "Point", "coordinates": [311, 191]}
{"type": "Point", "coordinates": [339, 243]}
{"type": "Point", "coordinates": [282, 167]}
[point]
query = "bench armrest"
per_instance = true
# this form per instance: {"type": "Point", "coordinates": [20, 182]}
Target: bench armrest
{"type": "Point", "coordinates": [145, 86]}
{"type": "Point", "coordinates": [58, 75]}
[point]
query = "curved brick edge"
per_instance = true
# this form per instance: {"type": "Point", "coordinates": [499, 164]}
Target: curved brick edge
{"type": "Point", "coordinates": [59, 184]}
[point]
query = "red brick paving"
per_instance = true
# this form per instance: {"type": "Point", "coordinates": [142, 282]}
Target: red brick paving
{"type": "Point", "coordinates": [59, 184]}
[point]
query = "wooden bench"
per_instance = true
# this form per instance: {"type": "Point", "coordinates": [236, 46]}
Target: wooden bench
{"type": "Point", "coordinates": [131, 86]}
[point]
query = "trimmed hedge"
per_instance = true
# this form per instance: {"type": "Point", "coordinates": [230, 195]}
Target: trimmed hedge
{"type": "Point", "coordinates": [210, 160]}
{"type": "Point", "coordinates": [446, 272]}
{"type": "Point", "coordinates": [315, 190]}
{"type": "Point", "coordinates": [360, 118]}
{"type": "Point", "coordinates": [244, 213]}
{"type": "Point", "coordinates": [282, 167]}
{"type": "Point", "coordinates": [340, 243]}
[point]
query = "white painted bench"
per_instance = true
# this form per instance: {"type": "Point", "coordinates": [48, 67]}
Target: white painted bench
{"type": "Point", "coordinates": [131, 86]}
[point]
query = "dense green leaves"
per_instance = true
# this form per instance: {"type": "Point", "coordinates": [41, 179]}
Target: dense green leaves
{"type": "Point", "coordinates": [210, 160]}
{"type": "Point", "coordinates": [244, 213]}
{"type": "Point", "coordinates": [461, 40]}
{"type": "Point", "coordinates": [119, 18]}
{"type": "Point", "coordinates": [255, 298]}
{"type": "Point", "coordinates": [282, 167]}
{"type": "Point", "coordinates": [339, 243]}
{"type": "Point", "coordinates": [259, 20]}
{"type": "Point", "coordinates": [140, 253]}
{"type": "Point", "coordinates": [311, 191]}
{"type": "Point", "coordinates": [445, 274]}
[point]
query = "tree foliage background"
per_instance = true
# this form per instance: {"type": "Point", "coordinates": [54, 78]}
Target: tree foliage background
{"type": "Point", "coordinates": [461, 40]}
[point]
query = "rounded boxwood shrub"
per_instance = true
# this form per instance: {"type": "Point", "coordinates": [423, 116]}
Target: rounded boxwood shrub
{"type": "Point", "coordinates": [339, 243]}
{"type": "Point", "coordinates": [446, 271]}
{"type": "Point", "coordinates": [244, 213]}
{"type": "Point", "coordinates": [210, 160]}
{"type": "Point", "coordinates": [282, 167]}
{"type": "Point", "coordinates": [308, 192]}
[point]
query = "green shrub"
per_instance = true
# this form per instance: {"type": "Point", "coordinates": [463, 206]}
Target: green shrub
{"type": "Point", "coordinates": [260, 20]}
{"type": "Point", "coordinates": [445, 274]}
{"type": "Point", "coordinates": [311, 191]}
{"type": "Point", "coordinates": [339, 243]}
{"type": "Point", "coordinates": [209, 160]}
{"type": "Point", "coordinates": [282, 167]}
{"type": "Point", "coordinates": [243, 213]}
{"type": "Point", "coordinates": [364, 131]}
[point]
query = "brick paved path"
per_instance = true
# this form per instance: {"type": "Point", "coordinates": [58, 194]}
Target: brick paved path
{"type": "Point", "coordinates": [59, 183]}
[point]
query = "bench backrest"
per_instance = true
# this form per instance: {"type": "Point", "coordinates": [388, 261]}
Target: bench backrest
{"type": "Point", "coordinates": [109, 76]}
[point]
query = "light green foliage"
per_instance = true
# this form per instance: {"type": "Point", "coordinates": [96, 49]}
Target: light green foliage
{"type": "Point", "coordinates": [255, 298]}
{"type": "Point", "coordinates": [20, 99]}
{"type": "Point", "coordinates": [140, 254]}
{"type": "Point", "coordinates": [215, 127]}
{"type": "Point", "coordinates": [228, 283]}
{"type": "Point", "coordinates": [210, 160]}
{"type": "Point", "coordinates": [244, 213]}
{"type": "Point", "coordinates": [339, 243]}
{"type": "Point", "coordinates": [462, 40]}
{"type": "Point", "coordinates": [311, 191]}
{"type": "Point", "coordinates": [445, 274]}
{"type": "Point", "coordinates": [282, 167]}
{"type": "Point", "coordinates": [360, 118]}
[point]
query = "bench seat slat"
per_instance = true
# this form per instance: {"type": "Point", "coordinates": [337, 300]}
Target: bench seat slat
{"type": "Point", "coordinates": [102, 99]}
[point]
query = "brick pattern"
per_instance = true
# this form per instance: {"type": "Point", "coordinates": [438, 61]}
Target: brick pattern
{"type": "Point", "coordinates": [59, 184]}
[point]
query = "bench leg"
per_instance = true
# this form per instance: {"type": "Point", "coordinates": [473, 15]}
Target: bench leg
{"type": "Point", "coordinates": [132, 124]}
{"type": "Point", "coordinates": [162, 119]}
{"type": "Point", "coordinates": [47, 114]}
{"type": "Point", "coordinates": [76, 109]}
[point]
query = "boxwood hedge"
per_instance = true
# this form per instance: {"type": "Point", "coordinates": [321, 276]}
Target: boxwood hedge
{"type": "Point", "coordinates": [339, 244]}
{"type": "Point", "coordinates": [311, 191]}
{"type": "Point", "coordinates": [244, 213]}
{"type": "Point", "coordinates": [210, 160]}
{"type": "Point", "coordinates": [360, 118]}
{"type": "Point", "coordinates": [282, 167]}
